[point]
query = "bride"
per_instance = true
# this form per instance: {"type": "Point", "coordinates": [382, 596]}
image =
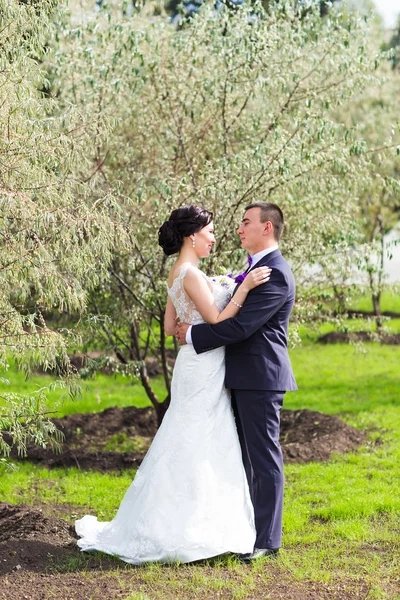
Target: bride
{"type": "Point", "coordinates": [189, 499]}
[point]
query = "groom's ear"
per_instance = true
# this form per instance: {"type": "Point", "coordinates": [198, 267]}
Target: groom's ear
{"type": "Point", "coordinates": [268, 228]}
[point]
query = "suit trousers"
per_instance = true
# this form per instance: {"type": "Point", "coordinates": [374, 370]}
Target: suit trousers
{"type": "Point", "coordinates": [257, 414]}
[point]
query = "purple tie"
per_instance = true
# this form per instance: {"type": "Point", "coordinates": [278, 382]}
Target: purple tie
{"type": "Point", "coordinates": [242, 276]}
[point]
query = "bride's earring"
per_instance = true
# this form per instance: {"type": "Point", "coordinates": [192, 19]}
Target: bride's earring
{"type": "Point", "coordinates": [193, 242]}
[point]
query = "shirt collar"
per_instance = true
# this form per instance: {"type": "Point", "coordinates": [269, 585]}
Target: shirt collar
{"type": "Point", "coordinates": [257, 257]}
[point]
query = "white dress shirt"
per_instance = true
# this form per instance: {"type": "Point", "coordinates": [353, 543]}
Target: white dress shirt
{"type": "Point", "coordinates": [254, 260]}
{"type": "Point", "coordinates": [257, 257]}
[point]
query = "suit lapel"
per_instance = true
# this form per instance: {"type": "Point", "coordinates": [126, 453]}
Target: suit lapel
{"type": "Point", "coordinates": [263, 262]}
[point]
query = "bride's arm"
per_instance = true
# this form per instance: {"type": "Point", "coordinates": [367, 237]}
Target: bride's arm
{"type": "Point", "coordinates": [198, 290]}
{"type": "Point", "coordinates": [169, 318]}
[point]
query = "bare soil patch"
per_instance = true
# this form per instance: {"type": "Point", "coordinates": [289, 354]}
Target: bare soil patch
{"type": "Point", "coordinates": [369, 314]}
{"type": "Point", "coordinates": [29, 539]}
{"type": "Point", "coordinates": [305, 436]}
{"type": "Point", "coordinates": [39, 560]}
{"type": "Point", "coordinates": [308, 435]}
{"type": "Point", "coordinates": [23, 522]}
{"type": "Point", "coordinates": [342, 337]}
{"type": "Point", "coordinates": [103, 586]}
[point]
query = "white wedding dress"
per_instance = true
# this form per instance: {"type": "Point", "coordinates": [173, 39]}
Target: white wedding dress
{"type": "Point", "coordinates": [190, 498]}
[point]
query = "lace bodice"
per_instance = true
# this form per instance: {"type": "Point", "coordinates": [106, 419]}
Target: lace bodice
{"type": "Point", "coordinates": [185, 307]}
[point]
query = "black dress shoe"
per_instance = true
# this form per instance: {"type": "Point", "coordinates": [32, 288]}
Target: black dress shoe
{"type": "Point", "coordinates": [258, 553]}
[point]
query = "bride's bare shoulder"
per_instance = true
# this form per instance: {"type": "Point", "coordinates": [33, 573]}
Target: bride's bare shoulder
{"type": "Point", "coordinates": [195, 279]}
{"type": "Point", "coordinates": [186, 268]}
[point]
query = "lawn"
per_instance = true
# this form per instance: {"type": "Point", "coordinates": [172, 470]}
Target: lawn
{"type": "Point", "coordinates": [342, 518]}
{"type": "Point", "coordinates": [98, 393]}
{"type": "Point", "coordinates": [390, 301]}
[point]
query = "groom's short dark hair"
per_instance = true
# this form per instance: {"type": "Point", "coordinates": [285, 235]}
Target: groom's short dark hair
{"type": "Point", "coordinates": [270, 212]}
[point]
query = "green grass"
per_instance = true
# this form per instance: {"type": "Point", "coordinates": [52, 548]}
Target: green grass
{"type": "Point", "coordinates": [88, 490]}
{"type": "Point", "coordinates": [340, 378]}
{"type": "Point", "coordinates": [361, 302]}
{"type": "Point", "coordinates": [310, 334]}
{"type": "Point", "coordinates": [341, 519]}
{"type": "Point", "coordinates": [121, 442]}
{"type": "Point", "coordinates": [390, 301]}
{"type": "Point", "coordinates": [97, 394]}
{"type": "Point", "coordinates": [322, 373]}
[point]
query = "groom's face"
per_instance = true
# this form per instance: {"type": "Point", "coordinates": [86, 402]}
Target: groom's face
{"type": "Point", "coordinates": [252, 231]}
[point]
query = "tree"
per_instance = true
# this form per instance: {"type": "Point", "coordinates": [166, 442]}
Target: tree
{"type": "Point", "coordinates": [374, 115]}
{"type": "Point", "coordinates": [55, 222]}
{"type": "Point", "coordinates": [232, 108]}
{"type": "Point", "coordinates": [379, 202]}
{"type": "Point", "coordinates": [394, 45]}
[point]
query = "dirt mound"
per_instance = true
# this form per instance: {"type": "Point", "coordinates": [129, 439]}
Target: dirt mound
{"type": "Point", "coordinates": [307, 436]}
{"type": "Point", "coordinates": [28, 523]}
{"type": "Point", "coordinates": [36, 548]}
{"type": "Point", "coordinates": [29, 539]}
{"type": "Point", "coordinates": [369, 314]}
{"type": "Point", "coordinates": [138, 421]}
{"type": "Point", "coordinates": [118, 438]}
{"type": "Point", "coordinates": [342, 337]}
{"type": "Point", "coordinates": [102, 460]}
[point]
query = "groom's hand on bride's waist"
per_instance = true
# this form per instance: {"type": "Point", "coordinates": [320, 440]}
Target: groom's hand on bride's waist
{"type": "Point", "coordinates": [181, 329]}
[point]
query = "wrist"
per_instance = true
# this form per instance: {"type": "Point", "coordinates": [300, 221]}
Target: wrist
{"type": "Point", "coordinates": [236, 303]}
{"type": "Point", "coordinates": [244, 289]}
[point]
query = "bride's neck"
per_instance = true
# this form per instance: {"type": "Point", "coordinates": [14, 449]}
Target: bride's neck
{"type": "Point", "coordinates": [188, 255]}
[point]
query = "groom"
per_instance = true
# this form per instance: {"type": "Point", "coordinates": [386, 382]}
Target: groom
{"type": "Point", "coordinates": [258, 369]}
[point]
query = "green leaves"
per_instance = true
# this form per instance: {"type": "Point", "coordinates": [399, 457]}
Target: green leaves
{"type": "Point", "coordinates": [58, 226]}
{"type": "Point", "coordinates": [146, 117]}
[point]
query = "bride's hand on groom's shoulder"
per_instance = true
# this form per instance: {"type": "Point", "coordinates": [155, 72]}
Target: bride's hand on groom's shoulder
{"type": "Point", "coordinates": [256, 277]}
{"type": "Point", "coordinates": [181, 329]}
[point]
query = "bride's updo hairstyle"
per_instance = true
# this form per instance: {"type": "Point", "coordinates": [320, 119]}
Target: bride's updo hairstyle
{"type": "Point", "coordinates": [182, 222]}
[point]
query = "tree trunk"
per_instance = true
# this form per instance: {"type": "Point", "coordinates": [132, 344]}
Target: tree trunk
{"type": "Point", "coordinates": [376, 300]}
{"type": "Point", "coordinates": [161, 409]}
{"type": "Point", "coordinates": [376, 286]}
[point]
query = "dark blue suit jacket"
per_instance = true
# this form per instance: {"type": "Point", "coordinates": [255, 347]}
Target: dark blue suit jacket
{"type": "Point", "coordinates": [256, 339]}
